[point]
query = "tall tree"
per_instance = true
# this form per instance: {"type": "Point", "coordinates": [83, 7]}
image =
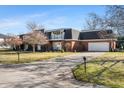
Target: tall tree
{"type": "Point", "coordinates": [115, 18]}
{"type": "Point", "coordinates": [94, 22]}
{"type": "Point", "coordinates": [33, 26]}
{"type": "Point", "coordinates": [35, 36]}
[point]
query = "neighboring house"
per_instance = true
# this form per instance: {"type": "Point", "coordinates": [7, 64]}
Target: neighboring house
{"type": "Point", "coordinates": [2, 38]}
{"type": "Point", "coordinates": [73, 40]}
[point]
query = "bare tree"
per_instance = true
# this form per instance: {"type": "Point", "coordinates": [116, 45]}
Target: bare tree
{"type": "Point", "coordinates": [33, 26]}
{"type": "Point", "coordinates": [94, 22]}
{"type": "Point", "coordinates": [105, 34]}
{"type": "Point", "coordinates": [115, 18]}
{"type": "Point", "coordinates": [35, 37]}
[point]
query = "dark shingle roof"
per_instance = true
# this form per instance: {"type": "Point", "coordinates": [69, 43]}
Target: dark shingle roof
{"type": "Point", "coordinates": [3, 36]}
{"type": "Point", "coordinates": [70, 33]}
{"type": "Point", "coordinates": [84, 35]}
{"type": "Point", "coordinates": [97, 34]}
{"type": "Point", "coordinates": [60, 29]}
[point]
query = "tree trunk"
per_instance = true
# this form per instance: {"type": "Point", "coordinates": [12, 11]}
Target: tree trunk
{"type": "Point", "coordinates": [33, 48]}
{"type": "Point", "coordinates": [19, 48]}
{"type": "Point", "coordinates": [14, 47]}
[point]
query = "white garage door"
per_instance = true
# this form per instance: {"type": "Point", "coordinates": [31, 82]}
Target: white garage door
{"type": "Point", "coordinates": [98, 46]}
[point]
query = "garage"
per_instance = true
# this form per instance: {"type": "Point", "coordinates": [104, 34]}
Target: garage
{"type": "Point", "coordinates": [98, 46]}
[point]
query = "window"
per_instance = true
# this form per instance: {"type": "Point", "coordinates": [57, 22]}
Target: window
{"type": "Point", "coordinates": [57, 35]}
{"type": "Point", "coordinates": [57, 46]}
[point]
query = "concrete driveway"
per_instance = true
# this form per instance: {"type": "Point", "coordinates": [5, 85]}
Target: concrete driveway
{"type": "Point", "coordinates": [53, 73]}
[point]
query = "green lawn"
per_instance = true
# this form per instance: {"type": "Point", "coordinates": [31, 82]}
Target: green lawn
{"type": "Point", "coordinates": [111, 56]}
{"type": "Point", "coordinates": [10, 57]}
{"type": "Point", "coordinates": [101, 71]}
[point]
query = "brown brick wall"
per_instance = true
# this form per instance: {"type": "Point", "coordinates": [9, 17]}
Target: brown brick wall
{"type": "Point", "coordinates": [81, 45]}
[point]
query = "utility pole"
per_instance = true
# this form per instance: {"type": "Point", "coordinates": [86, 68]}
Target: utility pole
{"type": "Point", "coordinates": [18, 56]}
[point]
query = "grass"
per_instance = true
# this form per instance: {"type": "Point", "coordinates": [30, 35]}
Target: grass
{"type": "Point", "coordinates": [111, 56]}
{"type": "Point", "coordinates": [10, 57]}
{"type": "Point", "coordinates": [107, 70]}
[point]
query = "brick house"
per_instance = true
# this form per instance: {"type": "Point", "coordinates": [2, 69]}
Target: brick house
{"type": "Point", "coordinates": [73, 40]}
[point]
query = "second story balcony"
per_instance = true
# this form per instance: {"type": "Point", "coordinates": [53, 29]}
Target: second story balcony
{"type": "Point", "coordinates": [57, 35]}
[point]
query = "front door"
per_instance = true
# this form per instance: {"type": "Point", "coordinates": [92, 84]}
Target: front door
{"type": "Point", "coordinates": [57, 46]}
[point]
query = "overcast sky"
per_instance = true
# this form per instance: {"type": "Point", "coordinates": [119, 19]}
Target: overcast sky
{"type": "Point", "coordinates": [13, 19]}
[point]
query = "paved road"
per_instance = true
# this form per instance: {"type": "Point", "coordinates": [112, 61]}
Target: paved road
{"type": "Point", "coordinates": [54, 73]}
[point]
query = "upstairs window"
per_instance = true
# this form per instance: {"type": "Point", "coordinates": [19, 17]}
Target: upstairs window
{"type": "Point", "coordinates": [57, 35]}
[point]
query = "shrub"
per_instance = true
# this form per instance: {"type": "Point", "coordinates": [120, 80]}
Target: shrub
{"type": "Point", "coordinates": [62, 51]}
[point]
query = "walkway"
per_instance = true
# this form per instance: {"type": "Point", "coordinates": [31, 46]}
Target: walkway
{"type": "Point", "coordinates": [53, 73]}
